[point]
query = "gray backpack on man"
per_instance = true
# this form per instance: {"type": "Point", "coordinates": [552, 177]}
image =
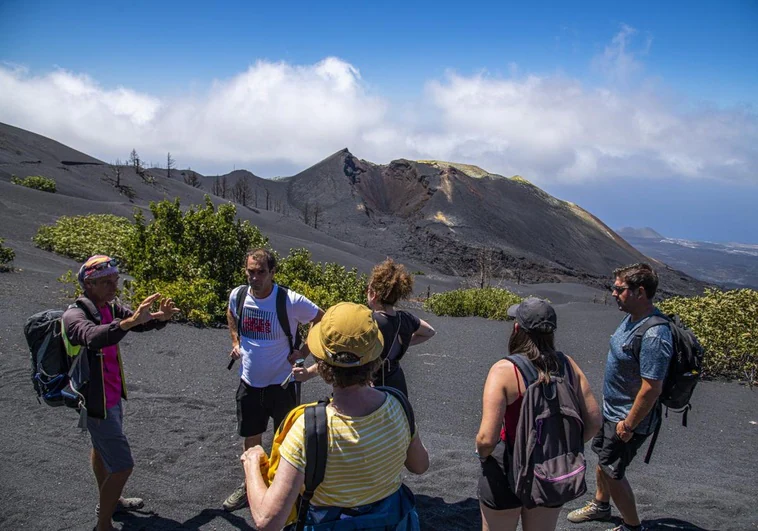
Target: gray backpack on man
{"type": "Point", "coordinates": [546, 465]}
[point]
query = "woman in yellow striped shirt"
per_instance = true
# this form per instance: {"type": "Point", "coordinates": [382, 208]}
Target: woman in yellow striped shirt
{"type": "Point", "coordinates": [369, 436]}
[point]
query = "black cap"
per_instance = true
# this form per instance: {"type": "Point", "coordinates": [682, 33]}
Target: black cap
{"type": "Point", "coordinates": [534, 315]}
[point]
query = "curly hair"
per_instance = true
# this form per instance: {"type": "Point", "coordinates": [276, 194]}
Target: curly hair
{"type": "Point", "coordinates": [346, 376]}
{"type": "Point", "coordinates": [639, 275]}
{"type": "Point", "coordinates": [390, 281]}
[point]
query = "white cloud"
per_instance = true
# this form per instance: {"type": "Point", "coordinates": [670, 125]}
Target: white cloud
{"type": "Point", "coordinates": [276, 118]}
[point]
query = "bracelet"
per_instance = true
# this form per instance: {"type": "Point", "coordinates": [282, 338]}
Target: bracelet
{"type": "Point", "coordinates": [625, 427]}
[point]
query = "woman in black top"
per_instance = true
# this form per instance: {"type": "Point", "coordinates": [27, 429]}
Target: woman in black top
{"type": "Point", "coordinates": [389, 283]}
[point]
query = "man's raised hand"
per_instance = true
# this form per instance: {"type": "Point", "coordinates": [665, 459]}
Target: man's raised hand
{"type": "Point", "coordinates": [166, 310]}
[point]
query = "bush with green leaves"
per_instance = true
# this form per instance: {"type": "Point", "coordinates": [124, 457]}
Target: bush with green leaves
{"type": "Point", "coordinates": [194, 257]}
{"type": "Point", "coordinates": [491, 303]}
{"type": "Point", "coordinates": [37, 182]}
{"type": "Point", "coordinates": [324, 284]}
{"type": "Point", "coordinates": [6, 256]}
{"type": "Point", "coordinates": [726, 324]}
{"type": "Point", "coordinates": [80, 237]}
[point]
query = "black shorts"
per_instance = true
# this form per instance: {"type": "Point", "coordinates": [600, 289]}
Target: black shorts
{"type": "Point", "coordinates": [255, 405]}
{"type": "Point", "coordinates": [493, 489]}
{"type": "Point", "coordinates": [613, 454]}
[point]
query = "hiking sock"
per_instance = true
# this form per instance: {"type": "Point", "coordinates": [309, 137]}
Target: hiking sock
{"type": "Point", "coordinates": [603, 506]}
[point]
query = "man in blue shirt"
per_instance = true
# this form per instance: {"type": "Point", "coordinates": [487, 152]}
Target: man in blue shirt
{"type": "Point", "coordinates": [630, 396]}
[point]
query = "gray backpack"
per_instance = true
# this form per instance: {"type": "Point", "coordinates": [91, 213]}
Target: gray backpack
{"type": "Point", "coordinates": [546, 464]}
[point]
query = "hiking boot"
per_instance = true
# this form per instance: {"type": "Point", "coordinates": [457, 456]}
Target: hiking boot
{"type": "Point", "coordinates": [589, 512]}
{"type": "Point", "coordinates": [124, 505]}
{"type": "Point", "coordinates": [237, 499]}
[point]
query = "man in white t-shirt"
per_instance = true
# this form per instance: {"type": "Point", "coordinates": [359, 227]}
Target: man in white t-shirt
{"type": "Point", "coordinates": [264, 352]}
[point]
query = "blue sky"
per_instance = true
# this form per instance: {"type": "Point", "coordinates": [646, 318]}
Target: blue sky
{"type": "Point", "coordinates": [644, 113]}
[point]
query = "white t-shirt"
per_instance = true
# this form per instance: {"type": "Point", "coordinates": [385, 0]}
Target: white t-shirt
{"type": "Point", "coordinates": [263, 345]}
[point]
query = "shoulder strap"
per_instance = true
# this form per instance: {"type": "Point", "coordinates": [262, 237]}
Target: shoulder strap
{"type": "Point", "coordinates": [281, 314]}
{"type": "Point", "coordinates": [89, 309]}
{"type": "Point", "coordinates": [650, 322]}
{"type": "Point", "coordinates": [407, 408]}
{"type": "Point", "coordinates": [380, 317]}
{"type": "Point", "coordinates": [240, 304]}
{"type": "Point", "coordinates": [528, 372]}
{"type": "Point", "coordinates": [316, 447]}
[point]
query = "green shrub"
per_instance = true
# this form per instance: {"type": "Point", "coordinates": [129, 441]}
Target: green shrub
{"type": "Point", "coordinates": [491, 303]}
{"type": "Point", "coordinates": [6, 256]}
{"type": "Point", "coordinates": [194, 257]}
{"type": "Point", "coordinates": [324, 284]}
{"type": "Point", "coordinates": [80, 237]}
{"type": "Point", "coordinates": [37, 182]}
{"type": "Point", "coordinates": [726, 324]}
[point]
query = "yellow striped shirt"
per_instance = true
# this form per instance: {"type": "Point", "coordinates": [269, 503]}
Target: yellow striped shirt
{"type": "Point", "coordinates": [365, 459]}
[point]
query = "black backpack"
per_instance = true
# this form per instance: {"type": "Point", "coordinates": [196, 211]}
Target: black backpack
{"type": "Point", "coordinates": [546, 465]}
{"type": "Point", "coordinates": [317, 446]}
{"type": "Point", "coordinates": [50, 361]}
{"type": "Point", "coordinates": [684, 370]}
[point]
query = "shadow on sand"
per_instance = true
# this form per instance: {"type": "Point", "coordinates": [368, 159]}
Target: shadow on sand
{"type": "Point", "coordinates": [144, 521]}
{"type": "Point", "coordinates": [436, 514]}
{"type": "Point", "coordinates": [672, 524]}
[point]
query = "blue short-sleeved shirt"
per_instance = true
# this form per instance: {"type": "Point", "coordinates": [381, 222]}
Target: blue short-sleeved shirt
{"type": "Point", "coordinates": [624, 372]}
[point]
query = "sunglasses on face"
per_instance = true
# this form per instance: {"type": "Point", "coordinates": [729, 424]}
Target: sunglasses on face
{"type": "Point", "coordinates": [102, 265]}
{"type": "Point", "coordinates": [619, 289]}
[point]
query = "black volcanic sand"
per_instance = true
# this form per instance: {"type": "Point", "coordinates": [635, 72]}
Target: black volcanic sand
{"type": "Point", "coordinates": [180, 421]}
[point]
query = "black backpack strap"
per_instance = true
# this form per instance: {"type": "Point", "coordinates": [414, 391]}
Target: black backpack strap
{"type": "Point", "coordinates": [407, 408]}
{"type": "Point", "coordinates": [240, 305]}
{"type": "Point", "coordinates": [316, 448]}
{"type": "Point", "coordinates": [89, 308]}
{"type": "Point", "coordinates": [653, 320]}
{"type": "Point", "coordinates": [528, 372]}
{"type": "Point", "coordinates": [281, 315]}
{"type": "Point", "coordinates": [653, 439]}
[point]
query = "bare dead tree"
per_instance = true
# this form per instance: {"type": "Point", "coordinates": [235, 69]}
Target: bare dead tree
{"type": "Point", "coordinates": [307, 213]}
{"type": "Point", "coordinates": [268, 207]}
{"type": "Point", "coordinates": [216, 186]}
{"type": "Point", "coordinates": [170, 162]}
{"type": "Point", "coordinates": [116, 169]}
{"type": "Point", "coordinates": [316, 211]}
{"type": "Point", "coordinates": [241, 192]}
{"type": "Point", "coordinates": [223, 187]}
{"type": "Point", "coordinates": [192, 179]}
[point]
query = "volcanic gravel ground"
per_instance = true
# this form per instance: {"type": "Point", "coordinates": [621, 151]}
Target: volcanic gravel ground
{"type": "Point", "coordinates": [180, 420]}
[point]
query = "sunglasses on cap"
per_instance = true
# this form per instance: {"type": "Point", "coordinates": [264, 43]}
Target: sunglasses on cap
{"type": "Point", "coordinates": [101, 265]}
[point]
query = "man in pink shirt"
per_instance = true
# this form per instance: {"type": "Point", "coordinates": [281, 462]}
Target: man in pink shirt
{"type": "Point", "coordinates": [92, 328]}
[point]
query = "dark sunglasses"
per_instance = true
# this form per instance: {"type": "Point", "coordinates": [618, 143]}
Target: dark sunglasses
{"type": "Point", "coordinates": [103, 265]}
{"type": "Point", "coordinates": [619, 289]}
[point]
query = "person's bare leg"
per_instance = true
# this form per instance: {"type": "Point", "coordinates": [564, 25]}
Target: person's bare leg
{"type": "Point", "coordinates": [110, 492]}
{"type": "Point", "coordinates": [623, 497]}
{"type": "Point", "coordinates": [603, 493]}
{"type": "Point", "coordinates": [493, 520]}
{"type": "Point", "coordinates": [98, 468]}
{"type": "Point", "coordinates": [252, 441]}
{"type": "Point", "coordinates": [540, 518]}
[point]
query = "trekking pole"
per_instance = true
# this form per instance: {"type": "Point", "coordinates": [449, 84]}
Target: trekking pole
{"type": "Point", "coordinates": [298, 363]}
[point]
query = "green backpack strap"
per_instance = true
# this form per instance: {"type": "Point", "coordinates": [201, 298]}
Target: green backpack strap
{"type": "Point", "coordinates": [316, 448]}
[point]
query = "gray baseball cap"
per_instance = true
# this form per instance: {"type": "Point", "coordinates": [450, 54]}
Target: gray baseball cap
{"type": "Point", "coordinates": [534, 315]}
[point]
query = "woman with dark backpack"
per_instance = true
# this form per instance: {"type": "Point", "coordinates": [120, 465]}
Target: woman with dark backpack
{"type": "Point", "coordinates": [389, 283]}
{"type": "Point", "coordinates": [533, 338]}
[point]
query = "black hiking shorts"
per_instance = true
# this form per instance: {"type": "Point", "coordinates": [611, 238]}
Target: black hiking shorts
{"type": "Point", "coordinates": [613, 454]}
{"type": "Point", "coordinates": [493, 489]}
{"type": "Point", "coordinates": [255, 405]}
